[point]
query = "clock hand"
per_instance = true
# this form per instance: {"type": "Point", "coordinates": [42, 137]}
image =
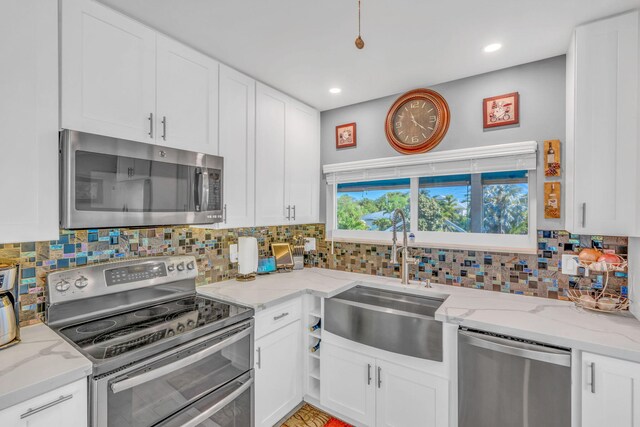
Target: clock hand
{"type": "Point", "coordinates": [413, 119]}
{"type": "Point", "coordinates": [421, 126]}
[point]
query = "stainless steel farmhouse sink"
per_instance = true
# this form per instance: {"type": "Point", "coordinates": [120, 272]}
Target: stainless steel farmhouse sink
{"type": "Point", "coordinates": [391, 321]}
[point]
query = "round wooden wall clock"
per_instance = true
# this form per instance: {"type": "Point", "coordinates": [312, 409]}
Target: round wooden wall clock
{"type": "Point", "coordinates": [417, 121]}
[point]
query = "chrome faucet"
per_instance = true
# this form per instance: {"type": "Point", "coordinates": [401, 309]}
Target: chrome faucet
{"type": "Point", "coordinates": [404, 247]}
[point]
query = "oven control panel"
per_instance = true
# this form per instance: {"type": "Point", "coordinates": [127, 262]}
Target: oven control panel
{"type": "Point", "coordinates": [104, 279]}
{"type": "Point", "coordinates": [135, 273]}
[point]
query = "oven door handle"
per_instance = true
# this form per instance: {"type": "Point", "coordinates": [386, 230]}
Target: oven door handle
{"type": "Point", "coordinates": [195, 421]}
{"type": "Point", "coordinates": [145, 377]}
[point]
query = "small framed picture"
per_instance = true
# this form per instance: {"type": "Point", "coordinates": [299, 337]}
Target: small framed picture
{"type": "Point", "coordinates": [552, 157]}
{"type": "Point", "coordinates": [501, 110]}
{"type": "Point", "coordinates": [346, 135]}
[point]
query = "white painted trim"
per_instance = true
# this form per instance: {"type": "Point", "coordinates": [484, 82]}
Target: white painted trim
{"type": "Point", "coordinates": [492, 151]}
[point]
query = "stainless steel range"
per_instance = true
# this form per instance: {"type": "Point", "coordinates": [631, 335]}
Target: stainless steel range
{"type": "Point", "coordinates": [162, 355]}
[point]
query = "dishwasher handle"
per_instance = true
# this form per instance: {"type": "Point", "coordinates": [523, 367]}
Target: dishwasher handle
{"type": "Point", "coordinates": [517, 348]}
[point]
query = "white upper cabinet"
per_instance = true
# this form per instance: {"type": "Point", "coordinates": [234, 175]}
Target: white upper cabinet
{"type": "Point", "coordinates": [302, 162]}
{"type": "Point", "coordinates": [124, 80]}
{"type": "Point", "coordinates": [287, 159]}
{"type": "Point", "coordinates": [29, 111]}
{"type": "Point", "coordinates": [610, 392]}
{"type": "Point", "coordinates": [237, 146]}
{"type": "Point", "coordinates": [602, 127]}
{"type": "Point", "coordinates": [270, 161]}
{"type": "Point", "coordinates": [108, 64]}
{"type": "Point", "coordinates": [187, 98]}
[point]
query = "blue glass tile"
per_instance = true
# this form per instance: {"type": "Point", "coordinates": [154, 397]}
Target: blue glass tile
{"type": "Point", "coordinates": [63, 239]}
{"type": "Point", "coordinates": [69, 249]}
{"type": "Point", "coordinates": [93, 237]}
{"type": "Point", "coordinates": [81, 260]}
{"type": "Point", "coordinates": [56, 247]}
{"type": "Point", "coordinates": [28, 272]}
{"type": "Point", "coordinates": [63, 263]}
{"type": "Point", "coordinates": [114, 240]}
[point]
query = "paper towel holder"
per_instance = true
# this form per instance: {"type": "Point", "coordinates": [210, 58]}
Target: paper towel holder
{"type": "Point", "coordinates": [247, 259]}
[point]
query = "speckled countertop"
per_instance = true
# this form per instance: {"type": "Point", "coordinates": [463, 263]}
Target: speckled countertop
{"type": "Point", "coordinates": [41, 362]}
{"type": "Point", "coordinates": [550, 321]}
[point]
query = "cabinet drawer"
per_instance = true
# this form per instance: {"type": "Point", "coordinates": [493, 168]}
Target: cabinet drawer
{"type": "Point", "coordinates": [68, 403]}
{"type": "Point", "coordinates": [276, 317]}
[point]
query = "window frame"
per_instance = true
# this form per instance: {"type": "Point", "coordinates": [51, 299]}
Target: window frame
{"type": "Point", "coordinates": [521, 243]}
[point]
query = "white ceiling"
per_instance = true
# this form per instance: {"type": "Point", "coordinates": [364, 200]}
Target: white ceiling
{"type": "Point", "coordinates": [305, 47]}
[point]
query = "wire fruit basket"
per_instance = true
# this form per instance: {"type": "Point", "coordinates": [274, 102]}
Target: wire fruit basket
{"type": "Point", "coordinates": [601, 300]}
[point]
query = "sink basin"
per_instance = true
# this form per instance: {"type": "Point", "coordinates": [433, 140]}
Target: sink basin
{"type": "Point", "coordinates": [391, 321]}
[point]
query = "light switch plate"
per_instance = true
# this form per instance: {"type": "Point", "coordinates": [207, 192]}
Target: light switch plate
{"type": "Point", "coordinates": [570, 265]}
{"type": "Point", "coordinates": [309, 244]}
{"type": "Point", "coordinates": [233, 252]}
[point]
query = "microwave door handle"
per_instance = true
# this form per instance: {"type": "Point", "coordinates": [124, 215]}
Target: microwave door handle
{"type": "Point", "coordinates": [197, 190]}
{"type": "Point", "coordinates": [203, 416]}
{"type": "Point", "coordinates": [205, 192]}
{"type": "Point", "coordinates": [148, 376]}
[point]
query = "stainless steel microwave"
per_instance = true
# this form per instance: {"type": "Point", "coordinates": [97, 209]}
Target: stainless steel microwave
{"type": "Point", "coordinates": [110, 182]}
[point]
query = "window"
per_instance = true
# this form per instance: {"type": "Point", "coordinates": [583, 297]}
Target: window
{"type": "Point", "coordinates": [443, 204]}
{"type": "Point", "coordinates": [370, 205]}
{"type": "Point", "coordinates": [480, 198]}
{"type": "Point", "coordinates": [505, 202]}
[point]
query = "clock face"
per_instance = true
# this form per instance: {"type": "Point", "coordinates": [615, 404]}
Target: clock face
{"type": "Point", "coordinates": [417, 121]}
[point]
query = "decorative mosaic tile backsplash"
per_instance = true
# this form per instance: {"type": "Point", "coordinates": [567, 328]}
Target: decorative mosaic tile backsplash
{"type": "Point", "coordinates": [536, 275]}
{"type": "Point", "coordinates": [76, 248]}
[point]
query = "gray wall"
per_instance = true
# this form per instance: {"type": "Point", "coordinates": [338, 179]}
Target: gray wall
{"type": "Point", "coordinates": [541, 86]}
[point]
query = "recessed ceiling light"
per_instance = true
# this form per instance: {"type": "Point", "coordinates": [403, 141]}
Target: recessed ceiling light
{"type": "Point", "coordinates": [335, 90]}
{"type": "Point", "coordinates": [492, 47]}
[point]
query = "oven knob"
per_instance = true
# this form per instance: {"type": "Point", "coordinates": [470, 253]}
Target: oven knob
{"type": "Point", "coordinates": [190, 323]}
{"type": "Point", "coordinates": [81, 282]}
{"type": "Point", "coordinates": [180, 266]}
{"type": "Point", "coordinates": [171, 333]}
{"type": "Point", "coordinates": [191, 265]}
{"type": "Point", "coordinates": [180, 328]}
{"type": "Point", "coordinates": [62, 285]}
{"type": "Point", "coordinates": [171, 267]}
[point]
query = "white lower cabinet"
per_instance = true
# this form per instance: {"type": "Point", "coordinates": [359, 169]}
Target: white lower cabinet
{"type": "Point", "coordinates": [66, 406]}
{"type": "Point", "coordinates": [407, 397]}
{"type": "Point", "coordinates": [348, 383]}
{"type": "Point", "coordinates": [377, 392]}
{"type": "Point", "coordinates": [278, 374]}
{"type": "Point", "coordinates": [610, 392]}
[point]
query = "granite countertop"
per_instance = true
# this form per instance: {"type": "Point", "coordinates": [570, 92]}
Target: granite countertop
{"type": "Point", "coordinates": [549, 321]}
{"type": "Point", "coordinates": [41, 362]}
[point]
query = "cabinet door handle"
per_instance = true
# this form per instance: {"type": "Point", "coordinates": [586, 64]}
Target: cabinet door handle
{"type": "Point", "coordinates": [584, 215]}
{"type": "Point", "coordinates": [294, 213]}
{"type": "Point", "coordinates": [288, 212]}
{"type": "Point", "coordinates": [225, 213]}
{"type": "Point", "coordinates": [150, 125]}
{"type": "Point", "coordinates": [379, 376]}
{"type": "Point", "coordinates": [592, 367]}
{"type": "Point", "coordinates": [164, 128]}
{"type": "Point", "coordinates": [368, 373]}
{"type": "Point", "coordinates": [280, 316]}
{"type": "Point", "coordinates": [46, 406]}
{"type": "Point", "coordinates": [259, 363]}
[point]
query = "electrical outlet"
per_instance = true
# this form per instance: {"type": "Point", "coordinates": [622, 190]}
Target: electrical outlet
{"type": "Point", "coordinates": [233, 252]}
{"type": "Point", "coordinates": [570, 265]}
{"type": "Point", "coordinates": [309, 244]}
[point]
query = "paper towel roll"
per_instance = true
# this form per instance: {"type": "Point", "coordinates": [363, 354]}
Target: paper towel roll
{"type": "Point", "coordinates": [247, 255]}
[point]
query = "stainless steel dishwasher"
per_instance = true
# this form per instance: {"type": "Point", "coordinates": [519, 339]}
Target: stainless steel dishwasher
{"type": "Point", "coordinates": [508, 382]}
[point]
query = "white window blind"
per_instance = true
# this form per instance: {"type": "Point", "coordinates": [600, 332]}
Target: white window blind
{"type": "Point", "coordinates": [494, 158]}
